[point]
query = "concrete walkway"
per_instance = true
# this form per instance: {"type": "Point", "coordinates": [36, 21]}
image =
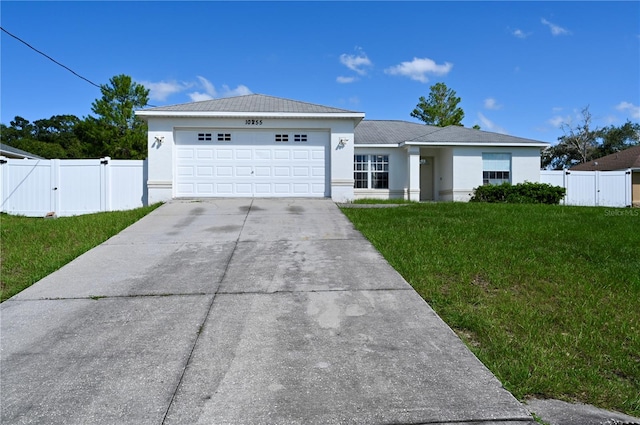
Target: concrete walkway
{"type": "Point", "coordinates": [232, 311]}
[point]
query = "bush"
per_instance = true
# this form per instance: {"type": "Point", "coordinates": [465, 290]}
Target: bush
{"type": "Point", "coordinates": [521, 193]}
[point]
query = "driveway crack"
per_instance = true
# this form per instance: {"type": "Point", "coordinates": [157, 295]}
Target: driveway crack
{"type": "Point", "coordinates": [204, 321]}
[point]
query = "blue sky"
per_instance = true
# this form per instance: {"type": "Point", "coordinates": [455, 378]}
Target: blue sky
{"type": "Point", "coordinates": [521, 68]}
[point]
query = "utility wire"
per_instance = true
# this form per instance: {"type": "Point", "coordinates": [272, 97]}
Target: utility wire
{"type": "Point", "coordinates": [50, 58]}
{"type": "Point", "coordinates": [55, 61]}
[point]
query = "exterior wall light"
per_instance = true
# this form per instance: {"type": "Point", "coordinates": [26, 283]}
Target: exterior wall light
{"type": "Point", "coordinates": [159, 140]}
{"type": "Point", "coordinates": [343, 141]}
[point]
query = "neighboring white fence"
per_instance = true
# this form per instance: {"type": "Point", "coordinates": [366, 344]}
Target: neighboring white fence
{"type": "Point", "coordinates": [592, 188]}
{"type": "Point", "coordinates": [37, 187]}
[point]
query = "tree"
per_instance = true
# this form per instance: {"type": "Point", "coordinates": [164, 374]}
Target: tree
{"type": "Point", "coordinates": [117, 131]}
{"type": "Point", "coordinates": [441, 108]}
{"type": "Point", "coordinates": [615, 139]}
{"type": "Point", "coordinates": [578, 144]}
{"type": "Point", "coordinates": [48, 138]}
{"type": "Point", "coordinates": [582, 143]}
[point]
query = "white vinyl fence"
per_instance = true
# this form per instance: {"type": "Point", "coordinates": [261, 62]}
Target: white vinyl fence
{"type": "Point", "coordinates": [37, 187]}
{"type": "Point", "coordinates": [592, 188]}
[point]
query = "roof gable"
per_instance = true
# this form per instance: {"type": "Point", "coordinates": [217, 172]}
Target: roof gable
{"type": "Point", "coordinates": [252, 103]}
{"type": "Point", "coordinates": [627, 158]}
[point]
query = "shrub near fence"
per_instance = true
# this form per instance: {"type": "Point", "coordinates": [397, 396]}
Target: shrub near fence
{"type": "Point", "coordinates": [521, 193]}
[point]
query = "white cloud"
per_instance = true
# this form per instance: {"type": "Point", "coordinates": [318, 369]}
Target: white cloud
{"type": "Point", "coordinates": [557, 121]}
{"type": "Point", "coordinates": [196, 96]}
{"type": "Point", "coordinates": [488, 125]}
{"type": "Point", "coordinates": [210, 91]}
{"type": "Point", "coordinates": [630, 108]}
{"type": "Point", "coordinates": [241, 90]}
{"type": "Point", "coordinates": [491, 103]}
{"type": "Point", "coordinates": [163, 89]}
{"type": "Point", "coordinates": [356, 63]}
{"type": "Point", "coordinates": [520, 34]}
{"type": "Point", "coordinates": [418, 69]}
{"type": "Point", "coordinates": [345, 80]}
{"type": "Point", "coordinates": [204, 89]}
{"type": "Point", "coordinates": [555, 29]}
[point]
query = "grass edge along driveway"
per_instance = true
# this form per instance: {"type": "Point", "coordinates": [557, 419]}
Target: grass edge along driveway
{"type": "Point", "coordinates": [33, 247]}
{"type": "Point", "coordinates": [547, 297]}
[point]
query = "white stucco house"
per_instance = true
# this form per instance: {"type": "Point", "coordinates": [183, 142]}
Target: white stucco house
{"type": "Point", "coordinates": [263, 146]}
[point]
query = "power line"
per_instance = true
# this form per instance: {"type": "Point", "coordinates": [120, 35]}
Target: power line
{"type": "Point", "coordinates": [55, 61]}
{"type": "Point", "coordinates": [50, 58]}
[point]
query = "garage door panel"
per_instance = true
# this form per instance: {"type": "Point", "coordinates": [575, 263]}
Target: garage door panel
{"type": "Point", "coordinates": [205, 188]}
{"type": "Point", "coordinates": [222, 171]}
{"type": "Point", "coordinates": [282, 154]}
{"type": "Point", "coordinates": [251, 164]}
{"type": "Point", "coordinates": [300, 154]}
{"type": "Point", "coordinates": [204, 153]}
{"type": "Point", "coordinates": [185, 171]}
{"type": "Point", "coordinates": [205, 171]}
{"type": "Point", "coordinates": [281, 171]}
{"type": "Point", "coordinates": [243, 154]}
{"type": "Point", "coordinates": [222, 154]}
{"type": "Point", "coordinates": [263, 171]}
{"type": "Point", "coordinates": [243, 171]}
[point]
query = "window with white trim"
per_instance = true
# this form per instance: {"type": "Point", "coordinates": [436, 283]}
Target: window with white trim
{"type": "Point", "coordinates": [371, 171]}
{"type": "Point", "coordinates": [299, 137]}
{"type": "Point", "coordinates": [224, 137]}
{"type": "Point", "coordinates": [496, 168]}
{"type": "Point", "coordinates": [204, 136]}
{"type": "Point", "coordinates": [282, 138]}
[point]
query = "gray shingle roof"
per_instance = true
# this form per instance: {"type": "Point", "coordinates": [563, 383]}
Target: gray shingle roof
{"type": "Point", "coordinates": [252, 103]}
{"type": "Point", "coordinates": [11, 152]}
{"type": "Point", "coordinates": [393, 132]}
{"type": "Point", "coordinates": [390, 132]}
{"type": "Point", "coordinates": [628, 158]}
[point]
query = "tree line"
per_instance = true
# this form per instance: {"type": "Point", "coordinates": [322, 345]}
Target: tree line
{"type": "Point", "coordinates": [117, 132]}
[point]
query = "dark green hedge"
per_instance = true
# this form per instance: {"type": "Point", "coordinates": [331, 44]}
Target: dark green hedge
{"type": "Point", "coordinates": [521, 193]}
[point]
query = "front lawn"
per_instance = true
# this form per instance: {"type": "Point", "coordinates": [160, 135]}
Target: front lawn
{"type": "Point", "coordinates": [33, 247]}
{"type": "Point", "coordinates": [547, 296]}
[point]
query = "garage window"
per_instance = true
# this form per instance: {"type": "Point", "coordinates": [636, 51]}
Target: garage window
{"type": "Point", "coordinates": [371, 171]}
{"type": "Point", "coordinates": [300, 138]}
{"type": "Point", "coordinates": [224, 137]}
{"type": "Point", "coordinates": [282, 138]}
{"type": "Point", "coordinates": [204, 136]}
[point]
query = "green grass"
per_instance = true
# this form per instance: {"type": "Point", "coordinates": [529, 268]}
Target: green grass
{"type": "Point", "coordinates": [548, 297]}
{"type": "Point", "coordinates": [31, 248]}
{"type": "Point", "coordinates": [382, 201]}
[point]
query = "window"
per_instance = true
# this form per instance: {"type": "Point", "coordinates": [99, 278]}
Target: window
{"type": "Point", "coordinates": [496, 168]}
{"type": "Point", "coordinates": [300, 138]}
{"type": "Point", "coordinates": [371, 171]}
{"type": "Point", "coordinates": [282, 137]}
{"type": "Point", "coordinates": [224, 137]}
{"type": "Point", "coordinates": [204, 136]}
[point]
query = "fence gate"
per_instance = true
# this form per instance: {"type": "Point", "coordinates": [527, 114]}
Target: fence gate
{"type": "Point", "coordinates": [592, 188]}
{"type": "Point", "coordinates": [37, 187]}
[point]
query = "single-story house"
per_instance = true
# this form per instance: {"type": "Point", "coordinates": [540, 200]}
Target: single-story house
{"type": "Point", "coordinates": [11, 152]}
{"type": "Point", "coordinates": [263, 146]}
{"type": "Point", "coordinates": [627, 159]}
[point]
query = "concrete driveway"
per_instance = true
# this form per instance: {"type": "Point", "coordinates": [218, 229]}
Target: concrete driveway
{"type": "Point", "coordinates": [238, 311]}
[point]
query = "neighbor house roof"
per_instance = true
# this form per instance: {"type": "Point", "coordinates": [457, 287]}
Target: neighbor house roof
{"type": "Point", "coordinates": [407, 133]}
{"type": "Point", "coordinates": [248, 105]}
{"type": "Point", "coordinates": [623, 160]}
{"type": "Point", "coordinates": [11, 152]}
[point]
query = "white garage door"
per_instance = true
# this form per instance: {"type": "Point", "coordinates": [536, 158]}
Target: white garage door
{"type": "Point", "coordinates": [285, 163]}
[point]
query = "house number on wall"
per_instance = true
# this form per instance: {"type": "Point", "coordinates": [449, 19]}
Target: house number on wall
{"type": "Point", "coordinates": [252, 122]}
